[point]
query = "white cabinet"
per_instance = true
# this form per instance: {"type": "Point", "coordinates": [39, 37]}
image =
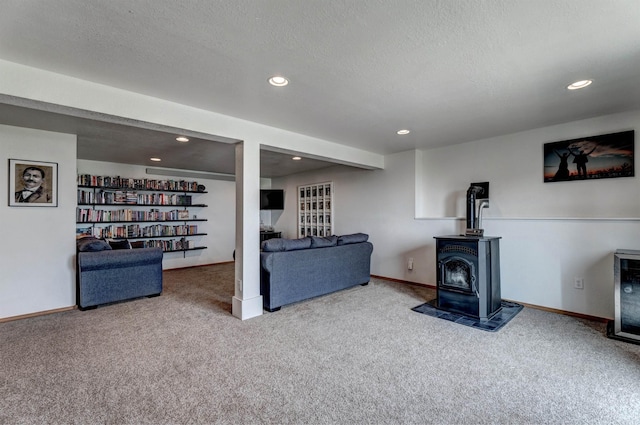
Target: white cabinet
{"type": "Point", "coordinates": [315, 209]}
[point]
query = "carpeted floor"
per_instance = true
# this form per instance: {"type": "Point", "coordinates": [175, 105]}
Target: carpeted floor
{"type": "Point", "coordinates": [356, 356]}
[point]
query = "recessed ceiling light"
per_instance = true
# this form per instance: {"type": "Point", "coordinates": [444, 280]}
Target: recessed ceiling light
{"type": "Point", "coordinates": [278, 81]}
{"type": "Point", "coordinates": [296, 158]}
{"type": "Point", "coordinates": [182, 139]}
{"type": "Point", "coordinates": [154, 159]}
{"type": "Point", "coordinates": [579, 84]}
{"type": "Point", "coordinates": [403, 132]}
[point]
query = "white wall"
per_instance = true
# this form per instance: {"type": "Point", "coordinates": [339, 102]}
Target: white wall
{"type": "Point", "coordinates": [38, 250]}
{"type": "Point", "coordinates": [513, 166]}
{"type": "Point", "coordinates": [551, 232]}
{"type": "Point", "coordinates": [220, 213]}
{"type": "Point", "coordinates": [381, 204]}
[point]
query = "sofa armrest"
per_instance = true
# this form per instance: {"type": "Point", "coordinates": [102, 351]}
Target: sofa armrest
{"type": "Point", "coordinates": [120, 258]}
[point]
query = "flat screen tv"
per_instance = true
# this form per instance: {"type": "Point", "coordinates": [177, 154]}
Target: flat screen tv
{"type": "Point", "coordinates": [271, 199]}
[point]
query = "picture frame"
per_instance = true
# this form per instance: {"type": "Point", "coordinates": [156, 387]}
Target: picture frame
{"type": "Point", "coordinates": [590, 158]}
{"type": "Point", "coordinates": [33, 183]}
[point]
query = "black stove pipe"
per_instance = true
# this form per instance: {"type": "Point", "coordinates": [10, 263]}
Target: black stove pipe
{"type": "Point", "coordinates": [471, 206]}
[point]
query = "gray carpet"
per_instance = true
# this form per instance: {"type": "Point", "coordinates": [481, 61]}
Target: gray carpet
{"type": "Point", "coordinates": [357, 356]}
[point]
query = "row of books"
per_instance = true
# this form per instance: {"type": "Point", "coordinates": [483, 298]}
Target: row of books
{"type": "Point", "coordinates": [315, 231]}
{"type": "Point", "coordinates": [312, 206]}
{"type": "Point", "coordinates": [87, 215]}
{"type": "Point", "coordinates": [322, 219]}
{"type": "Point", "coordinates": [118, 182]}
{"type": "Point", "coordinates": [119, 197]}
{"type": "Point", "coordinates": [167, 245]}
{"type": "Point", "coordinates": [308, 192]}
{"type": "Point", "coordinates": [137, 231]}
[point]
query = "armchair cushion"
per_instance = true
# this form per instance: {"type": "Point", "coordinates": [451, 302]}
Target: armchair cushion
{"type": "Point", "coordinates": [119, 244]}
{"type": "Point", "coordinates": [92, 244]}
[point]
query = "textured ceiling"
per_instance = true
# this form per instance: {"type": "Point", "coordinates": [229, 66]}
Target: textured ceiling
{"type": "Point", "coordinates": [449, 70]}
{"type": "Point", "coordinates": [113, 139]}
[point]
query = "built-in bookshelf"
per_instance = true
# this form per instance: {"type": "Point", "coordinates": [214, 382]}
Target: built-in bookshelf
{"type": "Point", "coordinates": [315, 209]}
{"type": "Point", "coordinates": [139, 210]}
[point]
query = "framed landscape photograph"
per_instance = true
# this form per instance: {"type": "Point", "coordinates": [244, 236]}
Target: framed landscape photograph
{"type": "Point", "coordinates": [588, 158]}
{"type": "Point", "coordinates": [33, 183]}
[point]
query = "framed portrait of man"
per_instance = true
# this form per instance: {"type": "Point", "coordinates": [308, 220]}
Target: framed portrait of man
{"type": "Point", "coordinates": [33, 183]}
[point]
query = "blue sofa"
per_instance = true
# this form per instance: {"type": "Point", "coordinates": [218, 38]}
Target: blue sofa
{"type": "Point", "coordinates": [112, 275]}
{"type": "Point", "coordinates": [293, 270]}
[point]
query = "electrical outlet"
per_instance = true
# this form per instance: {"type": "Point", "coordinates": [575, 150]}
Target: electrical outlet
{"type": "Point", "coordinates": [239, 284]}
{"type": "Point", "coordinates": [410, 264]}
{"type": "Point", "coordinates": [578, 283]}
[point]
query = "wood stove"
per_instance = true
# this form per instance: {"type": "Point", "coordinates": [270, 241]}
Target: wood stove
{"type": "Point", "coordinates": [468, 280]}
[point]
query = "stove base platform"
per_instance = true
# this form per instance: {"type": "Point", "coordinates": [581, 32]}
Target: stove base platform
{"type": "Point", "coordinates": [507, 312]}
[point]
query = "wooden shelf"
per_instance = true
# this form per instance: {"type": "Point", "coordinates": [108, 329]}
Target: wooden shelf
{"type": "Point", "coordinates": [133, 189]}
{"type": "Point", "coordinates": [141, 221]}
{"type": "Point", "coordinates": [187, 249]}
{"type": "Point", "coordinates": [156, 237]}
{"type": "Point", "coordinates": [143, 205]}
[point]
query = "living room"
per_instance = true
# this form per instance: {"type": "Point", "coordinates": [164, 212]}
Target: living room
{"type": "Point", "coordinates": [551, 233]}
{"type": "Point", "coordinates": [350, 357]}
{"type": "Point", "coordinates": [483, 89]}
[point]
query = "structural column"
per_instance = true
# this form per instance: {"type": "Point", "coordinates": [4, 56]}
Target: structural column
{"type": "Point", "coordinates": [247, 301]}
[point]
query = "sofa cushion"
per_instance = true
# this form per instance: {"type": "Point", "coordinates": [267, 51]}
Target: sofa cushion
{"type": "Point", "coordinates": [280, 244]}
{"type": "Point", "coordinates": [318, 242]}
{"type": "Point", "coordinates": [119, 244]}
{"type": "Point", "coordinates": [352, 238]}
{"type": "Point", "coordinates": [92, 244]}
